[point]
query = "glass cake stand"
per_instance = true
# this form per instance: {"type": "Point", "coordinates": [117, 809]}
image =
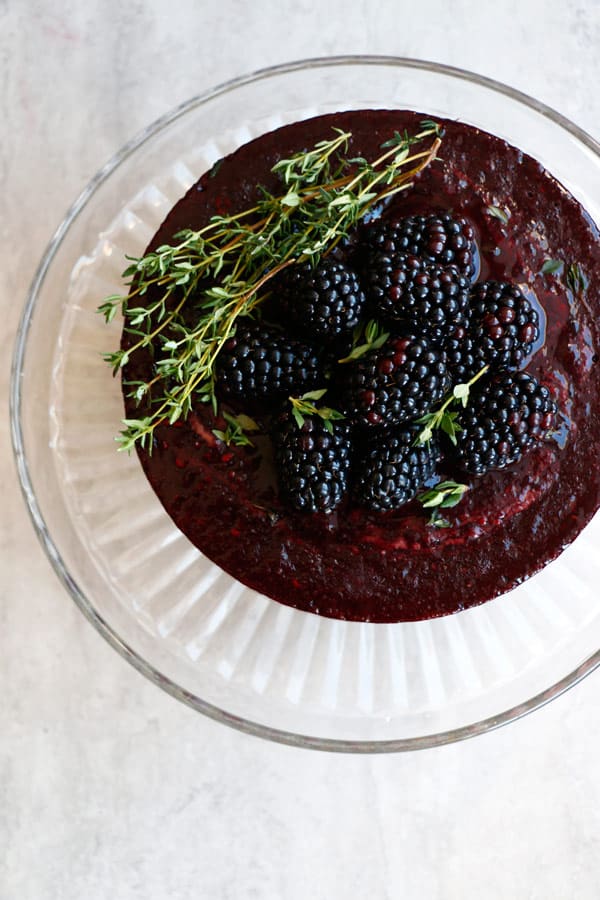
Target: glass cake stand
{"type": "Point", "coordinates": [195, 632]}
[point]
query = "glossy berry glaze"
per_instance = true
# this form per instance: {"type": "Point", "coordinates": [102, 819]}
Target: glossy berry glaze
{"type": "Point", "coordinates": [393, 566]}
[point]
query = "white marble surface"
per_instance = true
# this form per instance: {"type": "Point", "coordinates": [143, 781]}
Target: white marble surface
{"type": "Point", "coordinates": [109, 788]}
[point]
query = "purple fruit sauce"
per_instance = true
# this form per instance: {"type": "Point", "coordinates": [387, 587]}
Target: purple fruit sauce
{"type": "Point", "coordinates": [387, 567]}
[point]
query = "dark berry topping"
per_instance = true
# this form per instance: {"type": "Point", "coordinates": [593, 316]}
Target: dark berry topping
{"type": "Point", "coordinates": [407, 289]}
{"type": "Point", "coordinates": [312, 462]}
{"type": "Point", "coordinates": [441, 238]}
{"type": "Point", "coordinates": [462, 358]}
{"type": "Point", "coordinates": [504, 325]}
{"type": "Point", "coordinates": [396, 383]}
{"type": "Point", "coordinates": [319, 303]}
{"type": "Point", "coordinates": [504, 418]}
{"type": "Point", "coordinates": [259, 364]}
{"type": "Point", "coordinates": [391, 470]}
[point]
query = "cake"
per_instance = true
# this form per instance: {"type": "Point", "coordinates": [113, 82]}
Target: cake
{"type": "Point", "coordinates": [484, 516]}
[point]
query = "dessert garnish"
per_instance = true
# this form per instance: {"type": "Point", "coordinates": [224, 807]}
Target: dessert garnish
{"type": "Point", "coordinates": [438, 238]}
{"type": "Point", "coordinates": [384, 407]}
{"type": "Point", "coordinates": [303, 406]}
{"type": "Point", "coordinates": [312, 458]}
{"type": "Point", "coordinates": [236, 430]}
{"type": "Point", "coordinates": [252, 309]}
{"type": "Point", "coordinates": [444, 418]}
{"type": "Point", "coordinates": [576, 279]}
{"type": "Point", "coordinates": [504, 419]}
{"type": "Point", "coordinates": [551, 266]}
{"type": "Point", "coordinates": [259, 364]}
{"type": "Point", "coordinates": [444, 495]}
{"type": "Point", "coordinates": [321, 302]}
{"type": "Point", "coordinates": [202, 284]}
{"type": "Point", "coordinates": [368, 336]}
{"type": "Point", "coordinates": [392, 468]}
{"type": "Point", "coordinates": [497, 212]}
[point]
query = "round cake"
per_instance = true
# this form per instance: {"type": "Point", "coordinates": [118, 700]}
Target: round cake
{"type": "Point", "coordinates": [486, 232]}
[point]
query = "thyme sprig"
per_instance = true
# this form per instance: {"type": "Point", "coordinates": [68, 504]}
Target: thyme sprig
{"type": "Point", "coordinates": [236, 431]}
{"type": "Point", "coordinates": [371, 337]}
{"type": "Point", "coordinates": [576, 279]}
{"type": "Point", "coordinates": [574, 276]}
{"type": "Point", "coordinates": [211, 276]}
{"type": "Point", "coordinates": [443, 495]}
{"type": "Point", "coordinates": [303, 406]}
{"type": "Point", "coordinates": [445, 418]}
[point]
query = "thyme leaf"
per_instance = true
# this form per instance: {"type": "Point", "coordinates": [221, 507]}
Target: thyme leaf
{"type": "Point", "coordinates": [498, 212]}
{"type": "Point", "coordinates": [436, 520]}
{"type": "Point", "coordinates": [551, 266]}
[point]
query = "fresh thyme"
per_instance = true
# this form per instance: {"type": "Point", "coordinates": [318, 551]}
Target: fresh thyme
{"type": "Point", "coordinates": [497, 212]}
{"type": "Point", "coordinates": [444, 418]}
{"type": "Point", "coordinates": [576, 279]}
{"type": "Point", "coordinates": [443, 495]}
{"type": "Point", "coordinates": [214, 275]}
{"type": "Point", "coordinates": [371, 337]}
{"type": "Point", "coordinates": [551, 266]}
{"type": "Point", "coordinates": [236, 430]}
{"type": "Point", "coordinates": [303, 406]}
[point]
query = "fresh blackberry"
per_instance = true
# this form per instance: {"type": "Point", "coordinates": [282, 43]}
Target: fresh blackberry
{"type": "Point", "coordinates": [258, 364]}
{"type": "Point", "coordinates": [403, 288]}
{"type": "Point", "coordinates": [438, 238]}
{"type": "Point", "coordinates": [503, 419]}
{"type": "Point", "coordinates": [398, 382]}
{"type": "Point", "coordinates": [504, 325]}
{"type": "Point", "coordinates": [321, 303]}
{"type": "Point", "coordinates": [391, 470]}
{"type": "Point", "coordinates": [312, 463]}
{"type": "Point", "coordinates": [462, 358]}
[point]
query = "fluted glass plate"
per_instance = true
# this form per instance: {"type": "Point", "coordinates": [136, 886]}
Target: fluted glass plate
{"type": "Point", "coordinates": [193, 630]}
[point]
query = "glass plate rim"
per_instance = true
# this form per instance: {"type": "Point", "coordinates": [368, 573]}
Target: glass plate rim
{"type": "Point", "coordinates": [15, 400]}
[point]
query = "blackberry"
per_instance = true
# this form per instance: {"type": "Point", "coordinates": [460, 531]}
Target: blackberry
{"type": "Point", "coordinates": [391, 471]}
{"type": "Point", "coordinates": [504, 324]}
{"type": "Point", "coordinates": [400, 381]}
{"type": "Point", "coordinates": [462, 358]}
{"type": "Point", "coordinates": [321, 303]}
{"type": "Point", "coordinates": [258, 364]}
{"type": "Point", "coordinates": [438, 238]}
{"type": "Point", "coordinates": [312, 464]}
{"type": "Point", "coordinates": [502, 421]}
{"type": "Point", "coordinates": [405, 288]}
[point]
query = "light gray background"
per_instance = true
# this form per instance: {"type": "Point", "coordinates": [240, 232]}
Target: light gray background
{"type": "Point", "coordinates": [109, 788]}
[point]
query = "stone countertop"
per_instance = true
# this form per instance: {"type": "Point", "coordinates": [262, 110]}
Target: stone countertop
{"type": "Point", "coordinates": [110, 788]}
